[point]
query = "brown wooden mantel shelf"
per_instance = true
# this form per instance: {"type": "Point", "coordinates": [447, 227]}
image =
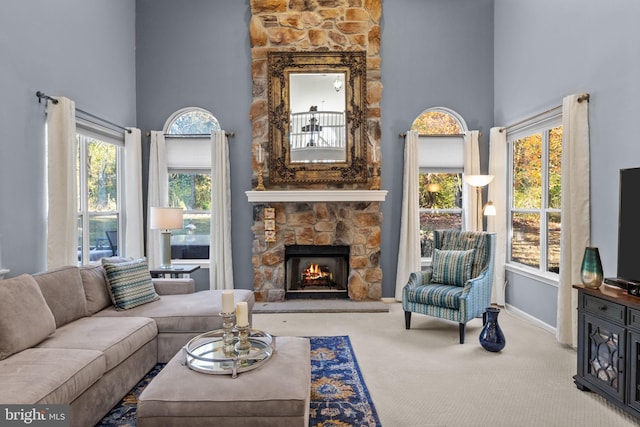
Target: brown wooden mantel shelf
{"type": "Point", "coordinates": [316, 196]}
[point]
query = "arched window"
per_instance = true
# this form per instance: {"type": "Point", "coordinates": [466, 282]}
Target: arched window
{"type": "Point", "coordinates": [188, 140]}
{"type": "Point", "coordinates": [441, 162]}
{"type": "Point", "coordinates": [191, 121]}
{"type": "Point", "coordinates": [439, 121]}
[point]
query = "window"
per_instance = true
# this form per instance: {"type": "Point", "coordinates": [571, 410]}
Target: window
{"type": "Point", "coordinates": [441, 165]}
{"type": "Point", "coordinates": [189, 167]}
{"type": "Point", "coordinates": [535, 153]}
{"type": "Point", "coordinates": [99, 178]}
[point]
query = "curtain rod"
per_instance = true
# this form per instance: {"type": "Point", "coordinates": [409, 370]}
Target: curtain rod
{"type": "Point", "coordinates": [99, 120]}
{"type": "Point", "coordinates": [581, 98]}
{"type": "Point", "coordinates": [192, 135]}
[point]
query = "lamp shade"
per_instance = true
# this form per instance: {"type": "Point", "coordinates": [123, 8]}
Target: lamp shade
{"type": "Point", "coordinates": [490, 209]}
{"type": "Point", "coordinates": [165, 218]}
{"type": "Point", "coordinates": [478, 180]}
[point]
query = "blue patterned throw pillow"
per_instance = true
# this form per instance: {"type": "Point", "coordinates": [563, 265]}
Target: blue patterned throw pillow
{"type": "Point", "coordinates": [452, 267]}
{"type": "Point", "coordinates": [130, 283]}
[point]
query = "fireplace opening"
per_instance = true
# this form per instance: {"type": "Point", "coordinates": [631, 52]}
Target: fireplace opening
{"type": "Point", "coordinates": [316, 271]}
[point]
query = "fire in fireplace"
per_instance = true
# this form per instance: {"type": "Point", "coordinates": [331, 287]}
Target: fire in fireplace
{"type": "Point", "coordinates": [316, 271]}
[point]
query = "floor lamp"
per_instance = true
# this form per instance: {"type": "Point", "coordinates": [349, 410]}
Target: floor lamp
{"type": "Point", "coordinates": [478, 181]}
{"type": "Point", "coordinates": [165, 219]}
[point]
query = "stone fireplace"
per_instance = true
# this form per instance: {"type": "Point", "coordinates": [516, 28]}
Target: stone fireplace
{"type": "Point", "coordinates": [323, 224]}
{"type": "Point", "coordinates": [322, 215]}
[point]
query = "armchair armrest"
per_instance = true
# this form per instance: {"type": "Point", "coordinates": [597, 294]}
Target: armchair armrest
{"type": "Point", "coordinates": [419, 278]}
{"type": "Point", "coordinates": [477, 293]}
{"type": "Point", "coordinates": [174, 286]}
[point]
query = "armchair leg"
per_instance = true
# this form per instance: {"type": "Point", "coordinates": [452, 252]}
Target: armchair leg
{"type": "Point", "coordinates": [407, 320]}
{"type": "Point", "coordinates": [461, 327]}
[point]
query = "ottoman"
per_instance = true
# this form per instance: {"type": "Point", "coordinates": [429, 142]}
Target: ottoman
{"type": "Point", "coordinates": [274, 394]}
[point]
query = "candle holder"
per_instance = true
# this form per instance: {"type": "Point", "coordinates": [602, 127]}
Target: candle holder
{"type": "Point", "coordinates": [260, 186]}
{"type": "Point", "coordinates": [375, 177]}
{"type": "Point", "coordinates": [243, 346]}
{"type": "Point", "coordinates": [227, 335]}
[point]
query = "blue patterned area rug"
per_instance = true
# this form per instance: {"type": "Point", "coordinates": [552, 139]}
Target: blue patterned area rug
{"type": "Point", "coordinates": [339, 396]}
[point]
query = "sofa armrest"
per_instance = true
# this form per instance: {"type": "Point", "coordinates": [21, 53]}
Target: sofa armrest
{"type": "Point", "coordinates": [174, 286]}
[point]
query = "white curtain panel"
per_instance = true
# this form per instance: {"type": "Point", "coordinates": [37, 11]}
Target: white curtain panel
{"type": "Point", "coordinates": [62, 225]}
{"type": "Point", "coordinates": [576, 220]}
{"type": "Point", "coordinates": [221, 268]}
{"type": "Point", "coordinates": [497, 193]}
{"type": "Point", "coordinates": [158, 192]}
{"type": "Point", "coordinates": [133, 219]}
{"type": "Point", "coordinates": [409, 246]}
{"type": "Point", "coordinates": [471, 167]}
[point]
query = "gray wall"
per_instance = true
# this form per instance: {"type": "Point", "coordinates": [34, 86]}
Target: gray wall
{"type": "Point", "coordinates": [83, 50]}
{"type": "Point", "coordinates": [547, 49]}
{"type": "Point", "coordinates": [434, 53]}
{"type": "Point", "coordinates": [196, 53]}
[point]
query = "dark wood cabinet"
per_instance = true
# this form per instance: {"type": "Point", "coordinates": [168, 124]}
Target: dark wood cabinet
{"type": "Point", "coordinates": [609, 345]}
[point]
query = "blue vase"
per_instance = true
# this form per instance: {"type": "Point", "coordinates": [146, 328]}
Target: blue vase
{"type": "Point", "coordinates": [491, 336]}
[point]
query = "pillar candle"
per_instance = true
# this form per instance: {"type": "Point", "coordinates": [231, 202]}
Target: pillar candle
{"type": "Point", "coordinates": [259, 153]}
{"type": "Point", "coordinates": [242, 314]}
{"type": "Point", "coordinates": [227, 301]}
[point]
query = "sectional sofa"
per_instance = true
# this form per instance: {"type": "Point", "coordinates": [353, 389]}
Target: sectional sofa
{"type": "Point", "coordinates": [62, 341]}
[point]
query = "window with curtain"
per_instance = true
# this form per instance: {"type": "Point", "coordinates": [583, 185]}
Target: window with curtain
{"type": "Point", "coordinates": [535, 153]}
{"type": "Point", "coordinates": [188, 133]}
{"type": "Point", "coordinates": [99, 192]}
{"type": "Point", "coordinates": [441, 165]}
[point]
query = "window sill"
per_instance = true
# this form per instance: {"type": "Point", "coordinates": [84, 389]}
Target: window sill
{"type": "Point", "coordinates": [550, 279]}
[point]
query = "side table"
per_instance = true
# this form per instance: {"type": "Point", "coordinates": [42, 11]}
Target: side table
{"type": "Point", "coordinates": [176, 271]}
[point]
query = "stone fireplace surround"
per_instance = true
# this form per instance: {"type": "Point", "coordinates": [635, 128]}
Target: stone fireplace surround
{"type": "Point", "coordinates": [354, 224]}
{"type": "Point", "coordinates": [349, 215]}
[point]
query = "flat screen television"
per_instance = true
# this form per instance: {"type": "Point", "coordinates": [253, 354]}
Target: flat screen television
{"type": "Point", "coordinates": [629, 227]}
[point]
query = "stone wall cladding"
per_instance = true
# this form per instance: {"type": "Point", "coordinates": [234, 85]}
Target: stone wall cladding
{"type": "Point", "coordinates": [308, 25]}
{"type": "Point", "coordinates": [355, 224]}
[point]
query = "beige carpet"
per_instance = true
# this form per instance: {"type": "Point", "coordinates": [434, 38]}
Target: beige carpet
{"type": "Point", "coordinates": [423, 377]}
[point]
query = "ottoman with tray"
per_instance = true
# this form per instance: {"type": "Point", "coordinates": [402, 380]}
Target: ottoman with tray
{"type": "Point", "coordinates": [276, 393]}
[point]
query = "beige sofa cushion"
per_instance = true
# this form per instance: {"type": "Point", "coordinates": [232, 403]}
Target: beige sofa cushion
{"type": "Point", "coordinates": [25, 317]}
{"type": "Point", "coordinates": [47, 376]}
{"type": "Point", "coordinates": [117, 338]}
{"type": "Point", "coordinates": [197, 312]}
{"type": "Point", "coordinates": [63, 291]}
{"type": "Point", "coordinates": [94, 282]}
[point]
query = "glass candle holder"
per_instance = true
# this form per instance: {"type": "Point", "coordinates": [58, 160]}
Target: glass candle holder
{"type": "Point", "coordinates": [243, 346]}
{"type": "Point", "coordinates": [227, 335]}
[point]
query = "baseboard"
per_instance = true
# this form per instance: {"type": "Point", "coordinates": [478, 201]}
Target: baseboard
{"type": "Point", "coordinates": [388, 300]}
{"type": "Point", "coordinates": [529, 318]}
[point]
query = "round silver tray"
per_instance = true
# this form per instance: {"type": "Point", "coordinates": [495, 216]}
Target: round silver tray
{"type": "Point", "coordinates": [205, 353]}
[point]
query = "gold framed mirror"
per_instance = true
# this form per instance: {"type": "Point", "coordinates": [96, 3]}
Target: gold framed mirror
{"type": "Point", "coordinates": [317, 117]}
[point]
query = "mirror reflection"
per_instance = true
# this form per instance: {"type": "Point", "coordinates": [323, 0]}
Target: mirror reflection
{"type": "Point", "coordinates": [317, 131]}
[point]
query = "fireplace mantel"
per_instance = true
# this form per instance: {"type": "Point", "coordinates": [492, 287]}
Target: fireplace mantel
{"type": "Point", "coordinates": [316, 196]}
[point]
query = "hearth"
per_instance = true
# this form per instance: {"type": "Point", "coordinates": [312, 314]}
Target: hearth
{"type": "Point", "coordinates": [313, 271]}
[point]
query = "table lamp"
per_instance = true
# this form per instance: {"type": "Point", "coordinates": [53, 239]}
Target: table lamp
{"type": "Point", "coordinates": [165, 219]}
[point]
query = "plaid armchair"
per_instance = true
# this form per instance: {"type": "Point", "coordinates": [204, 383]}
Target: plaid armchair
{"type": "Point", "coordinates": [458, 285]}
